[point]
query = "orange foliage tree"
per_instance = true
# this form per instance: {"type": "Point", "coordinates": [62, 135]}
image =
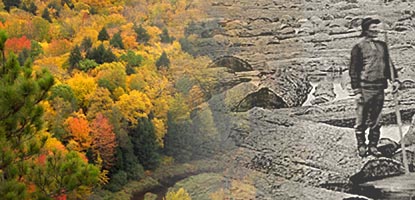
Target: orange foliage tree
{"type": "Point", "coordinates": [16, 45]}
{"type": "Point", "coordinates": [58, 47]}
{"type": "Point", "coordinates": [103, 140]}
{"type": "Point", "coordinates": [79, 138]}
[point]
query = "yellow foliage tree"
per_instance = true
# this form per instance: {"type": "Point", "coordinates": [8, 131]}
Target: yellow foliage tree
{"type": "Point", "coordinates": [54, 144]}
{"type": "Point", "coordinates": [53, 64]}
{"type": "Point", "coordinates": [180, 194]}
{"type": "Point", "coordinates": [82, 85]}
{"type": "Point", "coordinates": [99, 102]}
{"type": "Point", "coordinates": [159, 90]}
{"type": "Point", "coordinates": [179, 109]}
{"type": "Point", "coordinates": [55, 31]}
{"type": "Point", "coordinates": [100, 5]}
{"type": "Point", "coordinates": [86, 32]}
{"type": "Point", "coordinates": [111, 75]}
{"type": "Point", "coordinates": [128, 36]}
{"type": "Point", "coordinates": [16, 27]}
{"type": "Point", "coordinates": [119, 91]}
{"type": "Point", "coordinates": [134, 106]}
{"type": "Point", "coordinates": [195, 97]}
{"type": "Point", "coordinates": [58, 47]}
{"type": "Point", "coordinates": [154, 33]}
{"type": "Point", "coordinates": [115, 19]}
{"type": "Point", "coordinates": [160, 130]}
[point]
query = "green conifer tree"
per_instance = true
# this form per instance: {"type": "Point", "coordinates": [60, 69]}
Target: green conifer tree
{"type": "Point", "coordinates": [75, 57]}
{"type": "Point", "coordinates": [163, 61]}
{"type": "Point", "coordinates": [46, 15]}
{"type": "Point", "coordinates": [116, 41]}
{"type": "Point", "coordinates": [86, 44]}
{"type": "Point", "coordinates": [144, 143]}
{"type": "Point", "coordinates": [165, 37]}
{"type": "Point", "coordinates": [101, 55]}
{"type": "Point", "coordinates": [142, 35]}
{"type": "Point", "coordinates": [11, 3]}
{"type": "Point", "coordinates": [21, 122]}
{"type": "Point", "coordinates": [103, 34]}
{"type": "Point", "coordinates": [133, 60]}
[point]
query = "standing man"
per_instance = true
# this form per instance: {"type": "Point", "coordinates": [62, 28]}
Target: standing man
{"type": "Point", "coordinates": [369, 70]}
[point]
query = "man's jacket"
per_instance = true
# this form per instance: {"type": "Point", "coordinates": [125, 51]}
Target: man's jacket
{"type": "Point", "coordinates": [370, 67]}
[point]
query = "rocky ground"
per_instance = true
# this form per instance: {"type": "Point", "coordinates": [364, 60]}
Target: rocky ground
{"type": "Point", "coordinates": [311, 36]}
{"type": "Point", "coordinates": [268, 52]}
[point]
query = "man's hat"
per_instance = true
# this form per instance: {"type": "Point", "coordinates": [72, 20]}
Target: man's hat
{"type": "Point", "coordinates": [366, 22]}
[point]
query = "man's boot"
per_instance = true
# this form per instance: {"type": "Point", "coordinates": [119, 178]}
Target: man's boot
{"type": "Point", "coordinates": [373, 150]}
{"type": "Point", "coordinates": [361, 145]}
{"type": "Point", "coordinates": [373, 142]}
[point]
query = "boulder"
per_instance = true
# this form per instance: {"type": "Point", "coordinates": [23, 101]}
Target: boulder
{"type": "Point", "coordinates": [280, 89]}
{"type": "Point", "coordinates": [325, 90]}
{"type": "Point", "coordinates": [377, 169]}
{"type": "Point", "coordinates": [290, 87]}
{"type": "Point", "coordinates": [232, 63]}
{"type": "Point", "coordinates": [264, 98]}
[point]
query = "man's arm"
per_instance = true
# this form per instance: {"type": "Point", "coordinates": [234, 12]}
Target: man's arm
{"type": "Point", "coordinates": [355, 68]}
{"type": "Point", "coordinates": [390, 67]}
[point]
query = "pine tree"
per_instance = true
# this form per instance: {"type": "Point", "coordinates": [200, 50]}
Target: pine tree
{"type": "Point", "coordinates": [56, 7]}
{"type": "Point", "coordinates": [165, 37]}
{"type": "Point", "coordinates": [20, 122]}
{"type": "Point", "coordinates": [11, 3]}
{"type": "Point", "coordinates": [144, 143]}
{"type": "Point", "coordinates": [46, 15]}
{"type": "Point", "coordinates": [71, 176]}
{"type": "Point", "coordinates": [142, 35]}
{"type": "Point", "coordinates": [103, 34]}
{"type": "Point", "coordinates": [68, 3]}
{"type": "Point", "coordinates": [116, 41]}
{"type": "Point", "coordinates": [21, 142]}
{"type": "Point", "coordinates": [86, 44]}
{"type": "Point", "coordinates": [35, 49]}
{"type": "Point", "coordinates": [32, 8]}
{"type": "Point", "coordinates": [101, 55]}
{"type": "Point", "coordinates": [3, 38]}
{"type": "Point", "coordinates": [75, 57]}
{"type": "Point", "coordinates": [163, 61]}
{"type": "Point", "coordinates": [133, 60]}
{"type": "Point", "coordinates": [24, 55]}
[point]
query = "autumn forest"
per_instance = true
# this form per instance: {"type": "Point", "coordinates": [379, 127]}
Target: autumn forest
{"type": "Point", "coordinates": [90, 92]}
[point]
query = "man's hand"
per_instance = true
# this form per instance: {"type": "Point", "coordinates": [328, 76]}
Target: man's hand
{"type": "Point", "coordinates": [395, 86]}
{"type": "Point", "coordinates": [357, 94]}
